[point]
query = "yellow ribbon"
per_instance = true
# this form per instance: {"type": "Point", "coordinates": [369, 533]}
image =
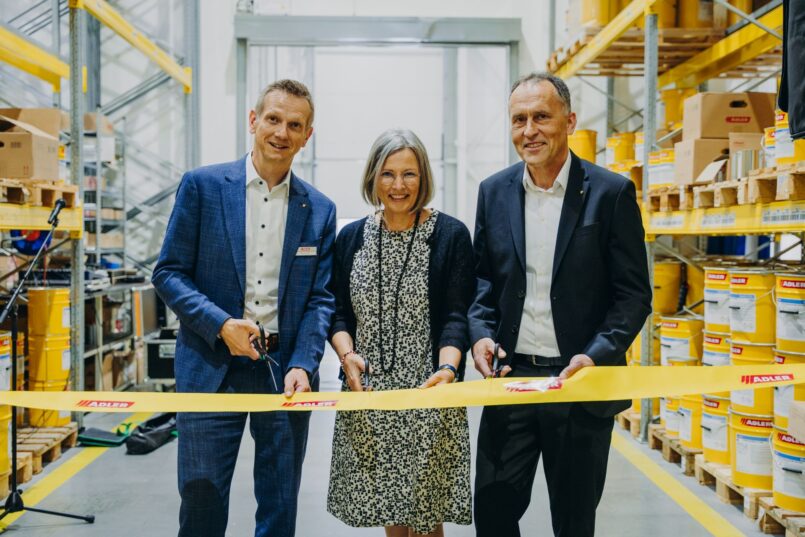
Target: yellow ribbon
{"type": "Point", "coordinates": [589, 384]}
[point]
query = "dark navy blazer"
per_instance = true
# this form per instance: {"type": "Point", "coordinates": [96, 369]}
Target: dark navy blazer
{"type": "Point", "coordinates": [600, 291]}
{"type": "Point", "coordinates": [201, 273]}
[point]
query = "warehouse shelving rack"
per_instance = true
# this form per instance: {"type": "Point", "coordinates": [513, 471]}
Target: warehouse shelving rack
{"type": "Point", "coordinates": [18, 51]}
{"type": "Point", "coordinates": [751, 50]}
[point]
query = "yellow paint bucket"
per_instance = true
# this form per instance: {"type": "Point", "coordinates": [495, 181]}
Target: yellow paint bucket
{"type": "Point", "coordinates": [637, 354]}
{"type": "Point", "coordinates": [788, 482]}
{"type": "Point", "coordinates": [48, 418]}
{"type": "Point", "coordinates": [716, 352]}
{"type": "Point", "coordinates": [49, 359]}
{"type": "Point", "coordinates": [752, 311]}
{"type": "Point", "coordinates": [670, 407]}
{"type": "Point", "coordinates": [784, 395]}
{"type": "Point", "coordinates": [750, 450]}
{"type": "Point", "coordinates": [760, 400]}
{"type": "Point", "coordinates": [715, 430]}
{"type": "Point", "coordinates": [620, 148]}
{"type": "Point", "coordinates": [681, 339]}
{"type": "Point", "coordinates": [48, 311]}
{"type": "Point", "coordinates": [582, 143]}
{"type": "Point", "coordinates": [666, 286]}
{"type": "Point", "coordinates": [690, 421]}
{"type": "Point", "coordinates": [598, 12]}
{"type": "Point", "coordinates": [743, 5]}
{"type": "Point", "coordinates": [695, 280]}
{"type": "Point", "coordinates": [5, 439]}
{"type": "Point", "coordinates": [790, 297]}
{"type": "Point", "coordinates": [716, 300]}
{"type": "Point", "coordinates": [695, 14]}
{"type": "Point", "coordinates": [666, 14]}
{"type": "Point", "coordinates": [673, 101]}
{"type": "Point", "coordinates": [769, 155]}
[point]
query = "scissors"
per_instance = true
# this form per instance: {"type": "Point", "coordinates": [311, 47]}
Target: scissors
{"type": "Point", "coordinates": [497, 365]}
{"type": "Point", "coordinates": [261, 345]}
{"type": "Point", "coordinates": [365, 381]}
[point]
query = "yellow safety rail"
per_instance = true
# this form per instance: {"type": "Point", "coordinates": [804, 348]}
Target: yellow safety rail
{"type": "Point", "coordinates": [24, 55]}
{"type": "Point", "coordinates": [734, 50]}
{"type": "Point", "coordinates": [605, 37]}
{"type": "Point", "coordinates": [110, 18]}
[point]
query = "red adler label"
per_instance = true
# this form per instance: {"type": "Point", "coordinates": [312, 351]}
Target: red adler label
{"type": "Point", "coordinates": [669, 325]}
{"type": "Point", "coordinates": [764, 379]}
{"type": "Point", "coordinates": [91, 403]}
{"type": "Point", "coordinates": [793, 284]}
{"type": "Point", "coordinates": [779, 359]}
{"type": "Point", "coordinates": [788, 439]}
{"type": "Point", "coordinates": [711, 404]}
{"type": "Point", "coordinates": [309, 404]}
{"type": "Point", "coordinates": [718, 276]}
{"type": "Point", "coordinates": [713, 340]}
{"type": "Point", "coordinates": [737, 350]}
{"type": "Point", "coordinates": [739, 119]}
{"type": "Point", "coordinates": [750, 422]}
{"type": "Point", "coordinates": [738, 280]}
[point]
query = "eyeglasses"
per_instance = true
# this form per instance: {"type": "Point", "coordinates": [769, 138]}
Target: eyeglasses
{"type": "Point", "coordinates": [388, 178]}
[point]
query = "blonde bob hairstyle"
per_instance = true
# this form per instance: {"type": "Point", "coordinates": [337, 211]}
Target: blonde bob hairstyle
{"type": "Point", "coordinates": [390, 142]}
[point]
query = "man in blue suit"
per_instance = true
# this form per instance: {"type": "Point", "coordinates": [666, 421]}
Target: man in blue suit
{"type": "Point", "coordinates": [248, 245]}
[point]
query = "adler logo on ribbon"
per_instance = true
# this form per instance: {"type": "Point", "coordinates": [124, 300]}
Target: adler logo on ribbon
{"type": "Point", "coordinates": [312, 404]}
{"type": "Point", "coordinates": [763, 379]}
{"type": "Point", "coordinates": [91, 403]}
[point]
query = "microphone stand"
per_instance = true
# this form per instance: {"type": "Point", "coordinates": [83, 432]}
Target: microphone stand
{"type": "Point", "coordinates": [14, 503]}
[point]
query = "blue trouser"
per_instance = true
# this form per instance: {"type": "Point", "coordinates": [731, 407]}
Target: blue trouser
{"type": "Point", "coordinates": [208, 450]}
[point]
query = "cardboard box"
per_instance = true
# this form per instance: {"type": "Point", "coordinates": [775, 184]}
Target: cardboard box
{"type": "Point", "coordinates": [693, 156]}
{"type": "Point", "coordinates": [107, 372]}
{"type": "Point", "coordinates": [50, 120]}
{"type": "Point", "coordinates": [745, 153]}
{"type": "Point", "coordinates": [26, 151]}
{"type": "Point", "coordinates": [716, 115]}
{"type": "Point", "coordinates": [93, 121]}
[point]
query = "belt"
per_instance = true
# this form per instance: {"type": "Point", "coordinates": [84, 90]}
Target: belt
{"type": "Point", "coordinates": [272, 342]}
{"type": "Point", "coordinates": [537, 360]}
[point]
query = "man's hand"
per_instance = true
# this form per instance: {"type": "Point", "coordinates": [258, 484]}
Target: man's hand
{"type": "Point", "coordinates": [482, 353]}
{"type": "Point", "coordinates": [577, 362]}
{"type": "Point", "coordinates": [296, 381]}
{"type": "Point", "coordinates": [238, 335]}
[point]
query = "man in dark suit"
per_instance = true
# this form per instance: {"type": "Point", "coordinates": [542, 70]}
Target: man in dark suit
{"type": "Point", "coordinates": [562, 284]}
{"type": "Point", "coordinates": [249, 244]}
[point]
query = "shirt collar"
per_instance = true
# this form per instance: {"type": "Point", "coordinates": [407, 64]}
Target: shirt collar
{"type": "Point", "coordinates": [252, 175]}
{"type": "Point", "coordinates": [561, 179]}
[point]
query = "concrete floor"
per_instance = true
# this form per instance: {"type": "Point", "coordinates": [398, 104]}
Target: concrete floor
{"type": "Point", "coordinates": [137, 496]}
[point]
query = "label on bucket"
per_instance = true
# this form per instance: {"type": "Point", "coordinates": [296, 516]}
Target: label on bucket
{"type": "Point", "coordinates": [685, 424]}
{"type": "Point", "coordinates": [716, 306]}
{"type": "Point", "coordinates": [65, 360]}
{"type": "Point", "coordinates": [671, 421]}
{"type": "Point", "coordinates": [743, 397]}
{"type": "Point", "coordinates": [715, 358]}
{"type": "Point", "coordinates": [791, 319]}
{"type": "Point", "coordinates": [674, 348]}
{"type": "Point", "coordinates": [714, 432]}
{"type": "Point", "coordinates": [783, 395]}
{"type": "Point", "coordinates": [752, 455]}
{"type": "Point", "coordinates": [663, 410]}
{"type": "Point", "coordinates": [742, 312]}
{"type": "Point", "coordinates": [65, 317]}
{"type": "Point", "coordinates": [788, 475]}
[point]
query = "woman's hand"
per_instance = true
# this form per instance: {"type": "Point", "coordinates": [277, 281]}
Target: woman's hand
{"type": "Point", "coordinates": [442, 376]}
{"type": "Point", "coordinates": [354, 369]}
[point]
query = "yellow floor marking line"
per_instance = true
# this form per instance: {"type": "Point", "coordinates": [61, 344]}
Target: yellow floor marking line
{"type": "Point", "coordinates": [701, 512]}
{"type": "Point", "coordinates": [61, 474]}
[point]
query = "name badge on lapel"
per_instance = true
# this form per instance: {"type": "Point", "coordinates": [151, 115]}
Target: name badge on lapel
{"type": "Point", "coordinates": [306, 251]}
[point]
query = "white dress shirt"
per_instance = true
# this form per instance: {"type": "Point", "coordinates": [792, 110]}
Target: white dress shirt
{"type": "Point", "coordinates": [543, 208]}
{"type": "Point", "coordinates": [265, 234]}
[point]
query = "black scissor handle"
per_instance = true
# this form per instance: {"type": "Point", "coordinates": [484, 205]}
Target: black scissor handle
{"type": "Point", "coordinates": [497, 366]}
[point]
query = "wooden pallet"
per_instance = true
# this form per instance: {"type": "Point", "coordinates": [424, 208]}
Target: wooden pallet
{"type": "Point", "coordinates": [790, 185]}
{"type": "Point", "coordinates": [24, 473]}
{"type": "Point", "coordinates": [777, 521]}
{"type": "Point", "coordinates": [45, 444]}
{"type": "Point", "coordinates": [629, 420]}
{"type": "Point", "coordinates": [672, 450]}
{"type": "Point", "coordinates": [762, 185]}
{"type": "Point", "coordinates": [722, 194]}
{"type": "Point", "coordinates": [37, 193]}
{"type": "Point", "coordinates": [720, 476]}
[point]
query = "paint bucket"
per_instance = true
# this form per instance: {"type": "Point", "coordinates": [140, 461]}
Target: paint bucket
{"type": "Point", "coordinates": [666, 286]}
{"type": "Point", "coordinates": [690, 421]}
{"type": "Point", "coordinates": [790, 297]}
{"type": "Point", "coordinates": [5, 439]}
{"type": "Point", "coordinates": [750, 450]}
{"type": "Point", "coordinates": [695, 13]}
{"type": "Point", "coordinates": [681, 339]}
{"type": "Point", "coordinates": [666, 14]}
{"type": "Point", "coordinates": [716, 300]}
{"type": "Point", "coordinates": [582, 143]}
{"type": "Point", "coordinates": [743, 5]}
{"type": "Point", "coordinates": [673, 101]}
{"type": "Point", "coordinates": [752, 311]}
{"type": "Point", "coordinates": [671, 421]}
{"type": "Point", "coordinates": [637, 354]}
{"type": "Point", "coordinates": [768, 147]}
{"type": "Point", "coordinates": [620, 148]}
{"type": "Point", "coordinates": [49, 359]}
{"type": "Point", "coordinates": [716, 352]}
{"type": "Point", "coordinates": [695, 280]}
{"type": "Point", "coordinates": [788, 482]}
{"type": "Point", "coordinates": [784, 395]}
{"type": "Point", "coordinates": [786, 149]}
{"type": "Point", "coordinates": [49, 311]}
{"type": "Point", "coordinates": [48, 418]}
{"type": "Point", "coordinates": [760, 400]}
{"type": "Point", "coordinates": [598, 12]}
{"type": "Point", "coordinates": [715, 431]}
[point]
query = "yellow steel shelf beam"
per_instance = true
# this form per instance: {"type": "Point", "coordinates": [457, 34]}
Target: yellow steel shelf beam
{"type": "Point", "coordinates": [32, 59]}
{"type": "Point", "coordinates": [13, 216]}
{"type": "Point", "coordinates": [759, 219]}
{"type": "Point", "coordinates": [734, 50]}
{"type": "Point", "coordinates": [112, 19]}
{"type": "Point", "coordinates": [608, 35]}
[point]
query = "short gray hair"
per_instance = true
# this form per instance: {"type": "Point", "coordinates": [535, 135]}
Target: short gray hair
{"type": "Point", "coordinates": [543, 76]}
{"type": "Point", "coordinates": [291, 87]}
{"type": "Point", "coordinates": [390, 142]}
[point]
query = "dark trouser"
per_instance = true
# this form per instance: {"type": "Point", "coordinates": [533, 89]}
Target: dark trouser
{"type": "Point", "coordinates": [574, 446]}
{"type": "Point", "coordinates": [208, 450]}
